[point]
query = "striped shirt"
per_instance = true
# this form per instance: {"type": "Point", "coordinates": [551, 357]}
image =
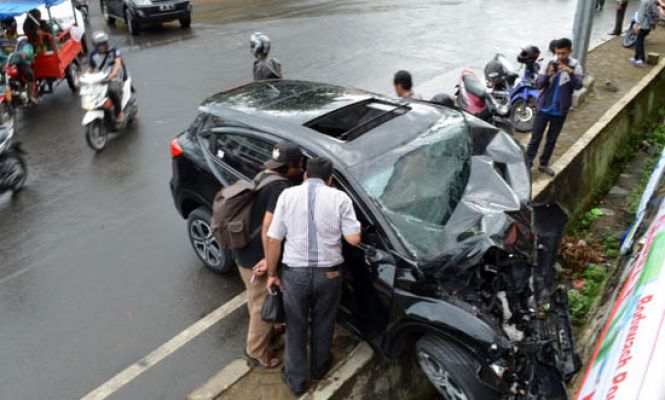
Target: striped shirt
{"type": "Point", "coordinates": [313, 217]}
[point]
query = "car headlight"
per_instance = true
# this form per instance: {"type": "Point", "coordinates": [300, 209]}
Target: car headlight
{"type": "Point", "coordinates": [142, 2]}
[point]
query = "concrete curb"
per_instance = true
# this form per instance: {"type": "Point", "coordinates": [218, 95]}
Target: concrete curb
{"type": "Point", "coordinates": [223, 380]}
{"type": "Point", "coordinates": [580, 145]}
{"type": "Point", "coordinates": [341, 373]}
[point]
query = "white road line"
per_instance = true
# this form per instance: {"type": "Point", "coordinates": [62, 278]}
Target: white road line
{"type": "Point", "coordinates": [163, 351]}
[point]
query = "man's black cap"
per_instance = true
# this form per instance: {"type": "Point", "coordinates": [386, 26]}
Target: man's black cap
{"type": "Point", "coordinates": [284, 153]}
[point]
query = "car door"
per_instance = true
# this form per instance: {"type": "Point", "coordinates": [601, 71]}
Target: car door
{"type": "Point", "coordinates": [239, 153]}
{"type": "Point", "coordinates": [367, 289]}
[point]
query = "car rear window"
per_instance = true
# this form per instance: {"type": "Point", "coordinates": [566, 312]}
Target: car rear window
{"type": "Point", "coordinates": [352, 121]}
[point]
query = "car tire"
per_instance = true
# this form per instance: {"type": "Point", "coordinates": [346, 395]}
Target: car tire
{"type": "Point", "coordinates": [522, 114]}
{"type": "Point", "coordinates": [133, 23]}
{"type": "Point", "coordinates": [452, 370]}
{"type": "Point", "coordinates": [73, 75]}
{"type": "Point", "coordinates": [106, 14]}
{"type": "Point", "coordinates": [186, 22]}
{"type": "Point", "coordinates": [211, 253]}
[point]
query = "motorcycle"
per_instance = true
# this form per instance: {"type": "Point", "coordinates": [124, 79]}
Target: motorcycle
{"type": "Point", "coordinates": [16, 85]}
{"type": "Point", "coordinates": [630, 36]}
{"type": "Point", "coordinates": [13, 169]}
{"type": "Point", "coordinates": [99, 119]}
{"type": "Point", "coordinates": [501, 76]}
{"type": "Point", "coordinates": [472, 96]}
{"type": "Point", "coordinates": [82, 6]}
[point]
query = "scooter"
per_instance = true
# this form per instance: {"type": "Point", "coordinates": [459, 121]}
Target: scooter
{"type": "Point", "coordinates": [16, 90]}
{"type": "Point", "coordinates": [99, 119]}
{"type": "Point", "coordinates": [501, 76]}
{"type": "Point", "coordinates": [630, 36]}
{"type": "Point", "coordinates": [13, 169]}
{"type": "Point", "coordinates": [473, 97]}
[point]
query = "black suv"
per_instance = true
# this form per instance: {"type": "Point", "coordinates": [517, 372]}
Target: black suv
{"type": "Point", "coordinates": [137, 12]}
{"type": "Point", "coordinates": [456, 264]}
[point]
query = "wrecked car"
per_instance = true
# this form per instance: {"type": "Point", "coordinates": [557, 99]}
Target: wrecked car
{"type": "Point", "coordinates": [456, 265]}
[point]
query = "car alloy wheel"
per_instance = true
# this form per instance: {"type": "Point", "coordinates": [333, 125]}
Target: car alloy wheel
{"type": "Point", "coordinates": [440, 377]}
{"type": "Point", "coordinates": [204, 242]}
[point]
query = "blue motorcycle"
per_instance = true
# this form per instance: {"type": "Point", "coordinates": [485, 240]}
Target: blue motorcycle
{"type": "Point", "coordinates": [501, 77]}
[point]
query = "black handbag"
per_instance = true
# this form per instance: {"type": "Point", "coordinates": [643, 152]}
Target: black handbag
{"type": "Point", "coordinates": [272, 310]}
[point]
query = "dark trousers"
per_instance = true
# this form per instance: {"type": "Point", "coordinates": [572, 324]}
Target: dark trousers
{"type": "Point", "coordinates": [540, 123]}
{"type": "Point", "coordinates": [115, 93]}
{"type": "Point", "coordinates": [618, 22]}
{"type": "Point", "coordinates": [309, 293]}
{"type": "Point", "coordinates": [639, 44]}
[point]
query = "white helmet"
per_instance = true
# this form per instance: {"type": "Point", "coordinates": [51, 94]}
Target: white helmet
{"type": "Point", "coordinates": [100, 37]}
{"type": "Point", "coordinates": [259, 43]}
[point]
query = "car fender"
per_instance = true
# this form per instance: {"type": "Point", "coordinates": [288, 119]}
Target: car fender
{"type": "Point", "coordinates": [422, 314]}
{"type": "Point", "coordinates": [90, 116]}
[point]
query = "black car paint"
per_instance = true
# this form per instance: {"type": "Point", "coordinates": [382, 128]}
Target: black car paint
{"type": "Point", "coordinates": [151, 13]}
{"type": "Point", "coordinates": [388, 305]}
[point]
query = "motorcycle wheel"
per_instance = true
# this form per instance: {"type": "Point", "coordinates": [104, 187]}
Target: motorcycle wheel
{"type": "Point", "coordinates": [7, 114]}
{"type": "Point", "coordinates": [522, 114]}
{"type": "Point", "coordinates": [96, 135]}
{"type": "Point", "coordinates": [73, 76]}
{"type": "Point", "coordinates": [15, 172]}
{"type": "Point", "coordinates": [629, 38]}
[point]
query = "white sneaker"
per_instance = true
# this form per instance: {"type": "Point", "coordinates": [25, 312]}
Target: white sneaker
{"type": "Point", "coordinates": [639, 63]}
{"type": "Point", "coordinates": [632, 60]}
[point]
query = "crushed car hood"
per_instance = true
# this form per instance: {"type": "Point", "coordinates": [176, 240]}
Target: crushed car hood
{"type": "Point", "coordinates": [494, 211]}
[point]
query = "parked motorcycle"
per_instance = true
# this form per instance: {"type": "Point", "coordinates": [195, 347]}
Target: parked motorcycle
{"type": "Point", "coordinates": [13, 169]}
{"type": "Point", "coordinates": [82, 6]}
{"type": "Point", "coordinates": [501, 76]}
{"type": "Point", "coordinates": [473, 97]}
{"type": "Point", "coordinates": [99, 119]}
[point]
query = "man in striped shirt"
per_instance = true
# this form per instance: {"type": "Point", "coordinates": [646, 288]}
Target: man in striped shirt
{"type": "Point", "coordinates": [312, 218]}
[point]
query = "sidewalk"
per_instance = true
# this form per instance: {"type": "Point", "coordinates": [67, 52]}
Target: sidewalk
{"type": "Point", "coordinates": [606, 62]}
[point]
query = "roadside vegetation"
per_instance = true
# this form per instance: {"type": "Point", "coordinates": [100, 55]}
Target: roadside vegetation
{"type": "Point", "coordinates": [589, 250]}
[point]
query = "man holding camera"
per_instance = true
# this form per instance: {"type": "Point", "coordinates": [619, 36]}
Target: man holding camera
{"type": "Point", "coordinates": [562, 77]}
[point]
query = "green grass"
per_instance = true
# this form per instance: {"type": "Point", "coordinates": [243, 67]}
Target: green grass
{"type": "Point", "coordinates": [581, 301]}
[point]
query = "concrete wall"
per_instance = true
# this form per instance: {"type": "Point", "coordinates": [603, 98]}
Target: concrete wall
{"type": "Point", "coordinates": [583, 168]}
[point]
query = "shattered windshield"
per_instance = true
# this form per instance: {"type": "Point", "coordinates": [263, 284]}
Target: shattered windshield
{"type": "Point", "coordinates": [419, 184]}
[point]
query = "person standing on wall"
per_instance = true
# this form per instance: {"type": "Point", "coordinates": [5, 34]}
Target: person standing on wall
{"type": "Point", "coordinates": [312, 219]}
{"type": "Point", "coordinates": [562, 77]}
{"type": "Point", "coordinates": [620, 14]}
{"type": "Point", "coordinates": [647, 18]}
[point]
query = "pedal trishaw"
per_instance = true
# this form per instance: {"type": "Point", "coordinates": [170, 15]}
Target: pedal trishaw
{"type": "Point", "coordinates": [56, 58]}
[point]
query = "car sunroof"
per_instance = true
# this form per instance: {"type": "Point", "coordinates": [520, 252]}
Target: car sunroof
{"type": "Point", "coordinates": [351, 121]}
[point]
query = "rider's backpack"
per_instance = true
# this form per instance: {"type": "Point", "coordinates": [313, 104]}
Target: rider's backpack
{"type": "Point", "coordinates": [232, 210]}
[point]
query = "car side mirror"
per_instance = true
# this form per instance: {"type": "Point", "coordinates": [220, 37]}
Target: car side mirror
{"type": "Point", "coordinates": [374, 256]}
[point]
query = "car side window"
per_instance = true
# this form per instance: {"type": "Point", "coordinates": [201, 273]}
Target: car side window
{"type": "Point", "coordinates": [197, 125]}
{"type": "Point", "coordinates": [243, 153]}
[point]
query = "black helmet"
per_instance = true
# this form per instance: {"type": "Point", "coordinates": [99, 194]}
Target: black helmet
{"type": "Point", "coordinates": [8, 23]}
{"type": "Point", "coordinates": [529, 55]}
{"type": "Point", "coordinates": [443, 99]}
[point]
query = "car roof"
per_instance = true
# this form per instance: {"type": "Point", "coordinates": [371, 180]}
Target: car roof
{"type": "Point", "coordinates": [282, 107]}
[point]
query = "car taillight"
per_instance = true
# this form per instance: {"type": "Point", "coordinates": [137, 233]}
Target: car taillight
{"type": "Point", "coordinates": [176, 150]}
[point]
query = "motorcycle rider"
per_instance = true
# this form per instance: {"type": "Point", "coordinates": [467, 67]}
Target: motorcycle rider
{"type": "Point", "coordinates": [25, 56]}
{"type": "Point", "coordinates": [265, 67]}
{"type": "Point", "coordinates": [102, 58]}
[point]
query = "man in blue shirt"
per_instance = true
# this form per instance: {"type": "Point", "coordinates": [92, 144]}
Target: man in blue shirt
{"type": "Point", "coordinates": [563, 76]}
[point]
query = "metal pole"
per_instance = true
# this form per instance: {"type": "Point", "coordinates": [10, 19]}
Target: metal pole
{"type": "Point", "coordinates": [582, 30]}
{"type": "Point", "coordinates": [50, 24]}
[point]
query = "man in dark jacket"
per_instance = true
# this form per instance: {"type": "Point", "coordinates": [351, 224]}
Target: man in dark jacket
{"type": "Point", "coordinates": [562, 76]}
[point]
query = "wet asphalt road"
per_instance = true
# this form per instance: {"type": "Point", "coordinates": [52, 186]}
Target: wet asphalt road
{"type": "Point", "coordinates": [95, 267]}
